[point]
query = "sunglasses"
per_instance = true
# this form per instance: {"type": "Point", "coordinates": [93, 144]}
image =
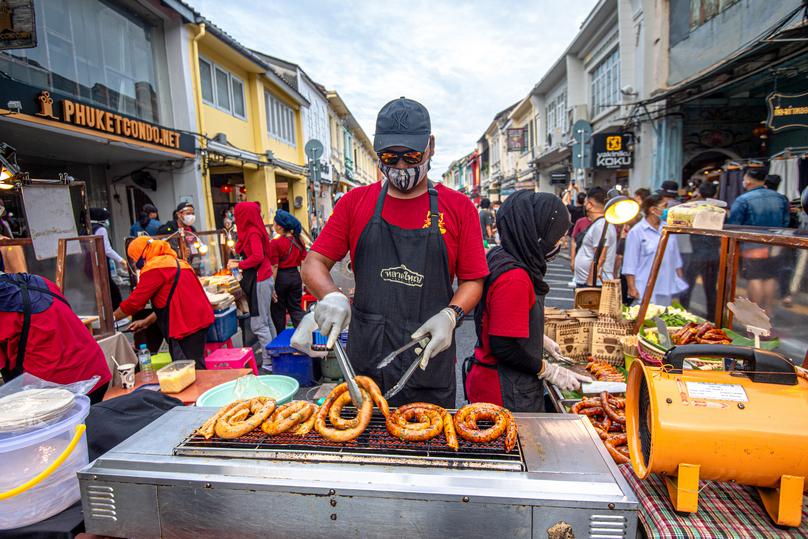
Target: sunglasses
{"type": "Point", "coordinates": [391, 158]}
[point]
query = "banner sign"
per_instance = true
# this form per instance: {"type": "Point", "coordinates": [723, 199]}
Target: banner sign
{"type": "Point", "coordinates": [57, 110]}
{"type": "Point", "coordinates": [610, 152]}
{"type": "Point", "coordinates": [17, 24]}
{"type": "Point", "coordinates": [787, 110]}
{"type": "Point", "coordinates": [516, 140]}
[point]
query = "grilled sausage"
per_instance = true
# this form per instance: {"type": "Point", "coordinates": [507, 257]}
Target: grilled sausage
{"type": "Point", "coordinates": [619, 458]}
{"type": "Point", "coordinates": [288, 416]}
{"type": "Point", "coordinates": [614, 416]}
{"type": "Point", "coordinates": [260, 407]}
{"type": "Point", "coordinates": [337, 435]}
{"type": "Point", "coordinates": [430, 420]}
{"type": "Point", "coordinates": [466, 418]}
{"type": "Point", "coordinates": [206, 429]}
{"type": "Point", "coordinates": [304, 428]}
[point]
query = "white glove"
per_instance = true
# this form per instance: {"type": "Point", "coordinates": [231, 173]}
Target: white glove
{"type": "Point", "coordinates": [563, 379]}
{"type": "Point", "coordinates": [441, 328]}
{"type": "Point", "coordinates": [301, 338]}
{"type": "Point", "coordinates": [551, 347]}
{"type": "Point", "coordinates": [332, 314]}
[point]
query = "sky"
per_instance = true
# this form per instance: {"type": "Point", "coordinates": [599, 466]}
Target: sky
{"type": "Point", "coordinates": [464, 61]}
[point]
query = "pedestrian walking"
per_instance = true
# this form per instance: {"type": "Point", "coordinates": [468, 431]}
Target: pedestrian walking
{"type": "Point", "coordinates": [595, 205]}
{"type": "Point", "coordinates": [286, 253]}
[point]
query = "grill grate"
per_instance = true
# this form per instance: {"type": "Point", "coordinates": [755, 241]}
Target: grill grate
{"type": "Point", "coordinates": [644, 426]}
{"type": "Point", "coordinates": [374, 446]}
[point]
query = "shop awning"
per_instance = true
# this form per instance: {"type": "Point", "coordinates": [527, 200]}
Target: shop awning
{"type": "Point", "coordinates": [349, 183]}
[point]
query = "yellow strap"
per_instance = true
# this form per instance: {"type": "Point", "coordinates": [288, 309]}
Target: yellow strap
{"type": "Point", "coordinates": [49, 470]}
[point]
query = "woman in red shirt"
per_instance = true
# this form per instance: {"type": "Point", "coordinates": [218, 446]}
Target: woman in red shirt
{"type": "Point", "coordinates": [181, 308]}
{"type": "Point", "coordinates": [286, 254]}
{"type": "Point", "coordinates": [257, 280]}
{"type": "Point", "coordinates": [507, 366]}
{"type": "Point", "coordinates": [53, 344]}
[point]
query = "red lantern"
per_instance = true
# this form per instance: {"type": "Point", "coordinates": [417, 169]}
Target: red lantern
{"type": "Point", "coordinates": [226, 188]}
{"type": "Point", "coordinates": [242, 190]}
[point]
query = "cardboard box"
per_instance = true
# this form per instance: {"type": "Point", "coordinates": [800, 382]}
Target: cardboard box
{"type": "Point", "coordinates": [587, 298]}
{"type": "Point", "coordinates": [611, 300]}
{"type": "Point", "coordinates": [552, 319]}
{"type": "Point", "coordinates": [605, 345]}
{"type": "Point", "coordinates": [569, 338]}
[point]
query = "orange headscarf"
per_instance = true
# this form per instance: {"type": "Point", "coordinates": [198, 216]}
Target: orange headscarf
{"type": "Point", "coordinates": [157, 253]}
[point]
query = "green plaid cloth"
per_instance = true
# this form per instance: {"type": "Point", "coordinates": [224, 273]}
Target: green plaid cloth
{"type": "Point", "coordinates": [726, 510]}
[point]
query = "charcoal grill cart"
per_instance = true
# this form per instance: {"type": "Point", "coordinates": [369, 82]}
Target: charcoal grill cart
{"type": "Point", "coordinates": [167, 482]}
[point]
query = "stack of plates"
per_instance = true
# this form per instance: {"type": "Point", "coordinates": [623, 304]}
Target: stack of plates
{"type": "Point", "coordinates": [33, 407]}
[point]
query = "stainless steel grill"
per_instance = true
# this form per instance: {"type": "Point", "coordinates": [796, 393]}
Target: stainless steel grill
{"type": "Point", "coordinates": [374, 446]}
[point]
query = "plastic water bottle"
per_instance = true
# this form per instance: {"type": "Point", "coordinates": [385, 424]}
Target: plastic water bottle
{"type": "Point", "coordinates": [144, 358]}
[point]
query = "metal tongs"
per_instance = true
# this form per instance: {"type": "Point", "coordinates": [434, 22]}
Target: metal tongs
{"type": "Point", "coordinates": [558, 357]}
{"type": "Point", "coordinates": [348, 374]}
{"type": "Point", "coordinates": [410, 371]}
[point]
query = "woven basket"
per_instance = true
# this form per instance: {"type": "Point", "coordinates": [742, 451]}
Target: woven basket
{"type": "Point", "coordinates": [652, 349]}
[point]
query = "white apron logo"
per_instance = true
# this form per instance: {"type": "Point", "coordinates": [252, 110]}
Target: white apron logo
{"type": "Point", "coordinates": [402, 275]}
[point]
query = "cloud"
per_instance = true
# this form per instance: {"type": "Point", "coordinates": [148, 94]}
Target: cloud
{"type": "Point", "coordinates": [465, 61]}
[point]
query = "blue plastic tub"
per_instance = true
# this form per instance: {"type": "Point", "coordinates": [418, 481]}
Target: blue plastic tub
{"type": "Point", "coordinates": [225, 325]}
{"type": "Point", "coordinates": [288, 361]}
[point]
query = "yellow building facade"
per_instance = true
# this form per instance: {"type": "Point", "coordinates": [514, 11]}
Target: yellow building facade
{"type": "Point", "coordinates": [253, 147]}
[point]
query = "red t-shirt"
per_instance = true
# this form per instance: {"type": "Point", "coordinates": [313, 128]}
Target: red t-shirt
{"type": "Point", "coordinates": [580, 225]}
{"type": "Point", "coordinates": [60, 348]}
{"type": "Point", "coordinates": [190, 309]}
{"type": "Point", "coordinates": [507, 314]}
{"type": "Point", "coordinates": [279, 248]}
{"type": "Point", "coordinates": [459, 224]}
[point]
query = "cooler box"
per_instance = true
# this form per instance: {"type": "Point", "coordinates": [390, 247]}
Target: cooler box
{"type": "Point", "coordinates": [288, 361]}
{"type": "Point", "coordinates": [225, 325]}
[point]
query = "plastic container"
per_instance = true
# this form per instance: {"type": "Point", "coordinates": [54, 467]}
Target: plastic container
{"type": "Point", "coordinates": [177, 376]}
{"type": "Point", "coordinates": [144, 358]}
{"type": "Point", "coordinates": [221, 395]}
{"type": "Point", "coordinates": [24, 456]}
{"type": "Point", "coordinates": [291, 362]}
{"type": "Point", "coordinates": [224, 326]}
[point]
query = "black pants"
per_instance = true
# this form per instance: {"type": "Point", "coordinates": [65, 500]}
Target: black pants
{"type": "Point", "coordinates": [289, 288]}
{"type": "Point", "coordinates": [97, 395]}
{"type": "Point", "coordinates": [114, 291]}
{"type": "Point", "coordinates": [190, 347]}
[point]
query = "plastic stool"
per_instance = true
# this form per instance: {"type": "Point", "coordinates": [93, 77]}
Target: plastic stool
{"type": "Point", "coordinates": [211, 347]}
{"type": "Point", "coordinates": [231, 358]}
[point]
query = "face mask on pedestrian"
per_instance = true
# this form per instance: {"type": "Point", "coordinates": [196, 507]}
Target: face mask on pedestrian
{"type": "Point", "coordinates": [189, 219]}
{"type": "Point", "coordinates": [405, 179]}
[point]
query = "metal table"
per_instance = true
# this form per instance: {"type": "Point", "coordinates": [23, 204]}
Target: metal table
{"type": "Point", "coordinates": [143, 489]}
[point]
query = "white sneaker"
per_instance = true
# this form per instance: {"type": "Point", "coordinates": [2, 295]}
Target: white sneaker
{"type": "Point", "coordinates": [571, 284]}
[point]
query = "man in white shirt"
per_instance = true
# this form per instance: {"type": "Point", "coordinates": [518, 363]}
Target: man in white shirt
{"type": "Point", "coordinates": [584, 259]}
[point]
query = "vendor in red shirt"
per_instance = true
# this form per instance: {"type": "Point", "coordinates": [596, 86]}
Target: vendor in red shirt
{"type": "Point", "coordinates": [53, 344]}
{"type": "Point", "coordinates": [408, 239]}
{"type": "Point", "coordinates": [286, 253]}
{"type": "Point", "coordinates": [256, 271]}
{"type": "Point", "coordinates": [181, 308]}
{"type": "Point", "coordinates": [508, 368]}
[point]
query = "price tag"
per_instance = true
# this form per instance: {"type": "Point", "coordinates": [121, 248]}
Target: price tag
{"type": "Point", "coordinates": [724, 392]}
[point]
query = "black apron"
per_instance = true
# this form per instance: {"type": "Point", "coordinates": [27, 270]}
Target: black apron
{"type": "Point", "coordinates": [249, 284]}
{"type": "Point", "coordinates": [163, 313]}
{"type": "Point", "coordinates": [521, 391]}
{"type": "Point", "coordinates": [402, 279]}
{"type": "Point", "coordinates": [7, 373]}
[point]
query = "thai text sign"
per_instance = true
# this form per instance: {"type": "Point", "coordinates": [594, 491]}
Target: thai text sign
{"type": "Point", "coordinates": [787, 110]}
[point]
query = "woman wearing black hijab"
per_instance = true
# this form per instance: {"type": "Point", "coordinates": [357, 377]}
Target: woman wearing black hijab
{"type": "Point", "coordinates": [507, 367]}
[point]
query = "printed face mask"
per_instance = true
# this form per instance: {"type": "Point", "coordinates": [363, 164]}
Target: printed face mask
{"type": "Point", "coordinates": [405, 179]}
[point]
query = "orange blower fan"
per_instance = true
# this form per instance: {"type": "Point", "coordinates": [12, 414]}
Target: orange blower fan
{"type": "Point", "coordinates": [747, 425]}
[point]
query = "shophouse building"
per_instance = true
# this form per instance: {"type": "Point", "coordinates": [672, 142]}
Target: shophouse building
{"type": "Point", "coordinates": [353, 160]}
{"type": "Point", "coordinates": [106, 96]}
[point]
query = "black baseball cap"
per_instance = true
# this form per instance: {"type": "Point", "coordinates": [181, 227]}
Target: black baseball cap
{"type": "Point", "coordinates": [669, 188]}
{"type": "Point", "coordinates": [402, 122]}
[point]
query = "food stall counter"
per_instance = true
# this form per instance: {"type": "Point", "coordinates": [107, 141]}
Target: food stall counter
{"type": "Point", "coordinates": [205, 380]}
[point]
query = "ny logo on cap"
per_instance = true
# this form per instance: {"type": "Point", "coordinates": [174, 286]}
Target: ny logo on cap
{"type": "Point", "coordinates": [400, 120]}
